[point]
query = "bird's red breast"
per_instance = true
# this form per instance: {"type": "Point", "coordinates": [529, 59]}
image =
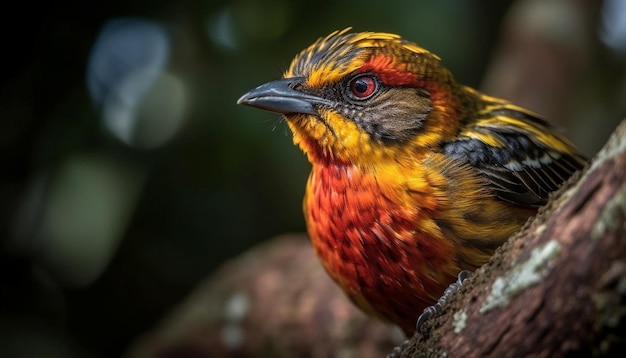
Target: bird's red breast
{"type": "Point", "coordinates": [375, 243]}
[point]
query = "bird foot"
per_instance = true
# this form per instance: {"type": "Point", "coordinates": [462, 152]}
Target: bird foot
{"type": "Point", "coordinates": [434, 310]}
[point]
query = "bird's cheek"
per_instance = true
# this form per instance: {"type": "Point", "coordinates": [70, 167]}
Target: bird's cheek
{"type": "Point", "coordinates": [345, 131]}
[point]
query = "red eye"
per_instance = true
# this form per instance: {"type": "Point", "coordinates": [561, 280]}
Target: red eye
{"type": "Point", "coordinates": [363, 87]}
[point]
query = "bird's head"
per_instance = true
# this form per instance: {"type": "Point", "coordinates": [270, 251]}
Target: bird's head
{"type": "Point", "coordinates": [360, 97]}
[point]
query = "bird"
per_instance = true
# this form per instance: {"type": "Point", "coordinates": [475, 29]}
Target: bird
{"type": "Point", "coordinates": [414, 176]}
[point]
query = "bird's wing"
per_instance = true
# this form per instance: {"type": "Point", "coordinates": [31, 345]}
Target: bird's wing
{"type": "Point", "coordinates": [520, 155]}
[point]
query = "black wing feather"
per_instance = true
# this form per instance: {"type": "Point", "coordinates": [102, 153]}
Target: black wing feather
{"type": "Point", "coordinates": [523, 170]}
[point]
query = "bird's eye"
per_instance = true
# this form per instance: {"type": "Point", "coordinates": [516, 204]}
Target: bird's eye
{"type": "Point", "coordinates": [363, 87]}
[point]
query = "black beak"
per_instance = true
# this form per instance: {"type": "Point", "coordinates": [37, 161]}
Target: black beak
{"type": "Point", "coordinates": [280, 97]}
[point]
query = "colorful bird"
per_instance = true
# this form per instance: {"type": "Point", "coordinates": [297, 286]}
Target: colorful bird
{"type": "Point", "coordinates": [414, 177]}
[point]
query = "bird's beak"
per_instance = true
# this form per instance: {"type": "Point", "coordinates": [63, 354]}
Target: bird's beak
{"type": "Point", "coordinates": [280, 97]}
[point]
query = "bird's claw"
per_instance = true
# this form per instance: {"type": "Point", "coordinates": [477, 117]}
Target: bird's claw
{"type": "Point", "coordinates": [434, 310]}
{"type": "Point", "coordinates": [431, 311]}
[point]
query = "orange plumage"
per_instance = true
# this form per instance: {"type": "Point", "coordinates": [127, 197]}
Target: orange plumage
{"type": "Point", "coordinates": [414, 176]}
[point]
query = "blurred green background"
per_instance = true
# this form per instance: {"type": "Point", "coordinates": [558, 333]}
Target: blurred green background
{"type": "Point", "coordinates": [129, 173]}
